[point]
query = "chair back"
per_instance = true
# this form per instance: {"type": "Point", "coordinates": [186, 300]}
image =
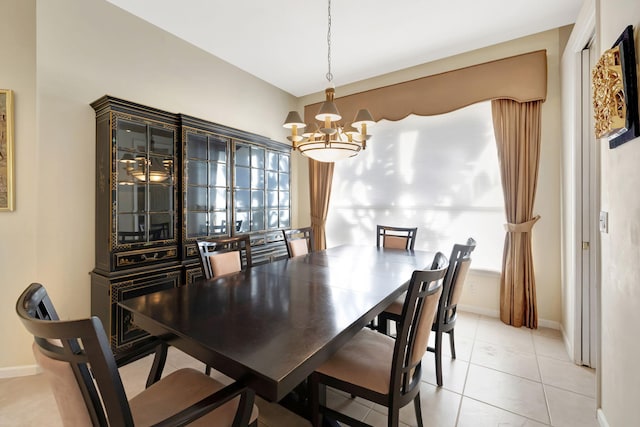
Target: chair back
{"type": "Point", "coordinates": [78, 362]}
{"type": "Point", "coordinates": [396, 237]}
{"type": "Point", "coordinates": [299, 241]}
{"type": "Point", "coordinates": [417, 316]}
{"type": "Point", "coordinates": [459, 263]}
{"type": "Point", "coordinates": [225, 255]}
{"type": "Point", "coordinates": [206, 248]}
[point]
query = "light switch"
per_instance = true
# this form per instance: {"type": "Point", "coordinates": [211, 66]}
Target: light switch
{"type": "Point", "coordinates": [604, 222]}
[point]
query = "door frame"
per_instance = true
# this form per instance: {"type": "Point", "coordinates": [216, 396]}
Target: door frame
{"type": "Point", "coordinates": [583, 32]}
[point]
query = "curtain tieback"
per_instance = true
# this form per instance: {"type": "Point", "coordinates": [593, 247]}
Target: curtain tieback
{"type": "Point", "coordinates": [317, 220]}
{"type": "Point", "coordinates": [523, 227]}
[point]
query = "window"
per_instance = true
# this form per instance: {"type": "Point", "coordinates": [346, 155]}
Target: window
{"type": "Point", "coordinates": [439, 173]}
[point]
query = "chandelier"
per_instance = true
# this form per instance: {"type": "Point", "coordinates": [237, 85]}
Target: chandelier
{"type": "Point", "coordinates": [329, 141]}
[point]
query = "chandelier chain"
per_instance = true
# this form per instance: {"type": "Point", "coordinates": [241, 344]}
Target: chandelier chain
{"type": "Point", "coordinates": [329, 75]}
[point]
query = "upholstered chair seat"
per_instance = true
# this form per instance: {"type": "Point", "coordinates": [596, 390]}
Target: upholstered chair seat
{"type": "Point", "coordinates": [299, 241]}
{"type": "Point", "coordinates": [365, 360]}
{"type": "Point", "coordinates": [225, 263]}
{"type": "Point", "coordinates": [396, 306]}
{"type": "Point", "coordinates": [298, 247]}
{"type": "Point", "coordinates": [161, 400]}
{"type": "Point", "coordinates": [224, 255]}
{"type": "Point", "coordinates": [396, 242]}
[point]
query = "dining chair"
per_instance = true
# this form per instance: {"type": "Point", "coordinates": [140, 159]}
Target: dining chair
{"type": "Point", "coordinates": [393, 238]}
{"type": "Point", "coordinates": [445, 320]}
{"type": "Point", "coordinates": [224, 255]}
{"type": "Point", "coordinates": [379, 368]}
{"type": "Point", "coordinates": [205, 249]}
{"type": "Point", "coordinates": [46, 311]}
{"type": "Point", "coordinates": [396, 237]}
{"type": "Point", "coordinates": [78, 363]}
{"type": "Point", "coordinates": [298, 241]}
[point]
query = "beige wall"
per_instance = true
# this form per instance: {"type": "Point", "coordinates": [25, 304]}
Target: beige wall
{"type": "Point", "coordinates": [85, 49]}
{"type": "Point", "coordinates": [620, 291]}
{"type": "Point", "coordinates": [482, 291]}
{"type": "Point", "coordinates": [18, 230]}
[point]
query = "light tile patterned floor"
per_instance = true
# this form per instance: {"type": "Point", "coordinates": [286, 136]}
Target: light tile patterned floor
{"type": "Point", "coordinates": [502, 377]}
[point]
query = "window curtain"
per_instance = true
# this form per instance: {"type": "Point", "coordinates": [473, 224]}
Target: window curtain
{"type": "Point", "coordinates": [320, 180]}
{"type": "Point", "coordinates": [517, 128]}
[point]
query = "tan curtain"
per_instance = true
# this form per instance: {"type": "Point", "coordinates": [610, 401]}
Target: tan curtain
{"type": "Point", "coordinates": [517, 131]}
{"type": "Point", "coordinates": [320, 179]}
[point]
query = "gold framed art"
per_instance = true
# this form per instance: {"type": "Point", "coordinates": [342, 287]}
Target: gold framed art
{"type": "Point", "coordinates": [615, 92]}
{"type": "Point", "coordinates": [6, 151]}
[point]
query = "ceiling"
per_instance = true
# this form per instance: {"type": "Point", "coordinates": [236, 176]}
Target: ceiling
{"type": "Point", "coordinates": [284, 42]}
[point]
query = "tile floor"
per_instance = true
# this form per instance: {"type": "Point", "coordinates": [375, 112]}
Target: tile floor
{"type": "Point", "coordinates": [502, 377]}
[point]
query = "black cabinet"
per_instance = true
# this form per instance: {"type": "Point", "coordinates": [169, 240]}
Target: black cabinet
{"type": "Point", "coordinates": [165, 180]}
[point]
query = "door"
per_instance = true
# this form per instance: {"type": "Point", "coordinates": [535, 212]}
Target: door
{"type": "Point", "coordinates": [588, 271]}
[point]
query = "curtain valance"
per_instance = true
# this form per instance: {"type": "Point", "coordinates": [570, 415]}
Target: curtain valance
{"type": "Point", "coordinates": [521, 78]}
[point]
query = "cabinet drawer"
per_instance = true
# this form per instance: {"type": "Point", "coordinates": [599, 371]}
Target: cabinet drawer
{"type": "Point", "coordinates": [144, 256]}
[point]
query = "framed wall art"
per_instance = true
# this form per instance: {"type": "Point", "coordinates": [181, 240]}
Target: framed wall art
{"type": "Point", "coordinates": [615, 92]}
{"type": "Point", "coordinates": [6, 151]}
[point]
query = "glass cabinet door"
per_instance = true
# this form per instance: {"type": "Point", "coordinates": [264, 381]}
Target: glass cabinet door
{"type": "Point", "coordinates": [261, 189]}
{"type": "Point", "coordinates": [145, 173]}
{"type": "Point", "coordinates": [206, 179]}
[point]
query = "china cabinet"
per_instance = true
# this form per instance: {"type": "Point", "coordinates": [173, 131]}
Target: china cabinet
{"type": "Point", "coordinates": [165, 181]}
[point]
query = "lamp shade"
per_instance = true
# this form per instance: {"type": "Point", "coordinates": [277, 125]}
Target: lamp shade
{"type": "Point", "coordinates": [363, 117]}
{"type": "Point", "coordinates": [293, 119]}
{"type": "Point", "coordinates": [328, 110]}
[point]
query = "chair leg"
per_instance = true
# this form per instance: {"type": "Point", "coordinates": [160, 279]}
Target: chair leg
{"type": "Point", "coordinates": [453, 344]}
{"type": "Point", "coordinates": [159, 361]}
{"type": "Point", "coordinates": [416, 403]}
{"type": "Point", "coordinates": [438, 351]}
{"type": "Point", "coordinates": [393, 419]}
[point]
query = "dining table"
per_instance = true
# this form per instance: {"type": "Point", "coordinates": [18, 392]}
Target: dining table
{"type": "Point", "coordinates": [270, 326]}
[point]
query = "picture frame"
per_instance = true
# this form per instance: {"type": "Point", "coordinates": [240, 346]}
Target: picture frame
{"type": "Point", "coordinates": [615, 92]}
{"type": "Point", "coordinates": [7, 183]}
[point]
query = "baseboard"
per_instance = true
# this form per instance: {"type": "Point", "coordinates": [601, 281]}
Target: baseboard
{"type": "Point", "coordinates": [479, 310]}
{"type": "Point", "coordinates": [602, 420]}
{"type": "Point", "coordinates": [568, 345]}
{"type": "Point", "coordinates": [551, 324]}
{"type": "Point", "coordinates": [19, 371]}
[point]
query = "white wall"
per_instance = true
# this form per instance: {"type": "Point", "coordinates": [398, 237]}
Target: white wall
{"type": "Point", "coordinates": [482, 290]}
{"type": "Point", "coordinates": [619, 371]}
{"type": "Point", "coordinates": [85, 49]}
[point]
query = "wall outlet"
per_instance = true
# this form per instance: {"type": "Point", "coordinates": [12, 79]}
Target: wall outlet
{"type": "Point", "coordinates": [604, 222]}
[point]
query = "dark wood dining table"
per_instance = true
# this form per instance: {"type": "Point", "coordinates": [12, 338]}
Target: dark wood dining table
{"type": "Point", "coordinates": [273, 324]}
